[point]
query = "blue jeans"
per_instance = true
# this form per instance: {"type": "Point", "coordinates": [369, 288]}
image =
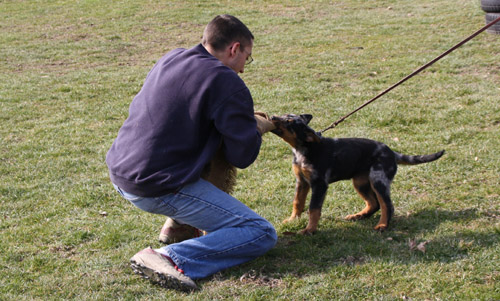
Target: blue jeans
{"type": "Point", "coordinates": [236, 234]}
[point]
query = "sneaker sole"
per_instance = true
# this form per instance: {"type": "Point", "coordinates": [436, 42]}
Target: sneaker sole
{"type": "Point", "coordinates": [165, 281]}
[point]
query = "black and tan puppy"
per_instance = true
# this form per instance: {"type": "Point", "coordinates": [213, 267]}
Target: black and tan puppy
{"type": "Point", "coordinates": [318, 161]}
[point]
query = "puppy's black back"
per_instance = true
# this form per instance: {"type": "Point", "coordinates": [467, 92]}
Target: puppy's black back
{"type": "Point", "coordinates": [347, 156]}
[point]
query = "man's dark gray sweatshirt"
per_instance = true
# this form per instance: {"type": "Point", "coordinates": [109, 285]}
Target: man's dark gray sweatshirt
{"type": "Point", "coordinates": [190, 105]}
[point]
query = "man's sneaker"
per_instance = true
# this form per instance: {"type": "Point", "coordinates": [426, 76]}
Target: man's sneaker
{"type": "Point", "coordinates": [173, 232]}
{"type": "Point", "coordinates": [161, 270]}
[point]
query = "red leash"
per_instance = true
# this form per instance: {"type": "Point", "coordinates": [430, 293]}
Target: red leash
{"type": "Point", "coordinates": [411, 75]}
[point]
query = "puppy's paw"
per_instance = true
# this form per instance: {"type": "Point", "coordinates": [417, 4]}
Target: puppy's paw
{"type": "Point", "coordinates": [290, 219]}
{"type": "Point", "coordinates": [353, 217]}
{"type": "Point", "coordinates": [381, 227]}
{"type": "Point", "coordinates": [307, 232]}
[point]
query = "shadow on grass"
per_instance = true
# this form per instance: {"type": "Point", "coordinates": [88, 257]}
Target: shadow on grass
{"type": "Point", "coordinates": [351, 243]}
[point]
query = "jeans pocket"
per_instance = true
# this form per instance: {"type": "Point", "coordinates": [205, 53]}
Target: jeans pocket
{"type": "Point", "coordinates": [164, 207]}
{"type": "Point", "coordinates": [155, 205]}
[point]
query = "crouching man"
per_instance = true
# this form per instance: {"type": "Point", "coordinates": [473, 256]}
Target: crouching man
{"type": "Point", "coordinates": [192, 103]}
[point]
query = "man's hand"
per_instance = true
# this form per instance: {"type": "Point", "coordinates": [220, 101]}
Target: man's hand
{"type": "Point", "coordinates": [264, 124]}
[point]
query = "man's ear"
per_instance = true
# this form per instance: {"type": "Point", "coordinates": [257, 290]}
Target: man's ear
{"type": "Point", "coordinates": [234, 48]}
{"type": "Point", "coordinates": [306, 117]}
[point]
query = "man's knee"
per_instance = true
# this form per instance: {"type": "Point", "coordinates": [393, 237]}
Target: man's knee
{"type": "Point", "coordinates": [270, 238]}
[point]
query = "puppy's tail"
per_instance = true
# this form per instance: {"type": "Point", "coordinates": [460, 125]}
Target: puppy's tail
{"type": "Point", "coordinates": [413, 160]}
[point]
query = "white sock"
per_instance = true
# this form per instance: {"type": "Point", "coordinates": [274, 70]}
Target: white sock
{"type": "Point", "coordinates": [161, 251]}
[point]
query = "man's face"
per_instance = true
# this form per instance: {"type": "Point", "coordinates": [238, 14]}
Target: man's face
{"type": "Point", "coordinates": [237, 57]}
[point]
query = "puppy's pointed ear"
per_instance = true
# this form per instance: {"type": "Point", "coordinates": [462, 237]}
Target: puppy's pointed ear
{"type": "Point", "coordinates": [306, 117]}
{"type": "Point", "coordinates": [312, 137]}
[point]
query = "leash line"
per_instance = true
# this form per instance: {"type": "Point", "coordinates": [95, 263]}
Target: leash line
{"type": "Point", "coordinates": [331, 126]}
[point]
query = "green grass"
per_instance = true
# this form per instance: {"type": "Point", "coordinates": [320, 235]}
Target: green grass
{"type": "Point", "coordinates": [69, 69]}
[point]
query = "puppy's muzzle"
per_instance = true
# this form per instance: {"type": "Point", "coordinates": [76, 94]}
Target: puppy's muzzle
{"type": "Point", "coordinates": [277, 125]}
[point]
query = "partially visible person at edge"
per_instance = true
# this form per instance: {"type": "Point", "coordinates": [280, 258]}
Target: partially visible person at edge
{"type": "Point", "coordinates": [191, 103]}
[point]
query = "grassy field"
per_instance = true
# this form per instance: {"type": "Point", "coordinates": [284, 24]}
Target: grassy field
{"type": "Point", "coordinates": [69, 69]}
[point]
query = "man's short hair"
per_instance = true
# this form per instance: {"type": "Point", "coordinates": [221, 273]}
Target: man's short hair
{"type": "Point", "coordinates": [224, 30]}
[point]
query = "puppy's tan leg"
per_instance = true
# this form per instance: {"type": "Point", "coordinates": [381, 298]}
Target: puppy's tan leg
{"type": "Point", "coordinates": [301, 190]}
{"type": "Point", "coordinates": [382, 191]}
{"type": "Point", "coordinates": [364, 189]}
{"type": "Point", "coordinates": [385, 216]}
{"type": "Point", "coordinates": [312, 226]}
